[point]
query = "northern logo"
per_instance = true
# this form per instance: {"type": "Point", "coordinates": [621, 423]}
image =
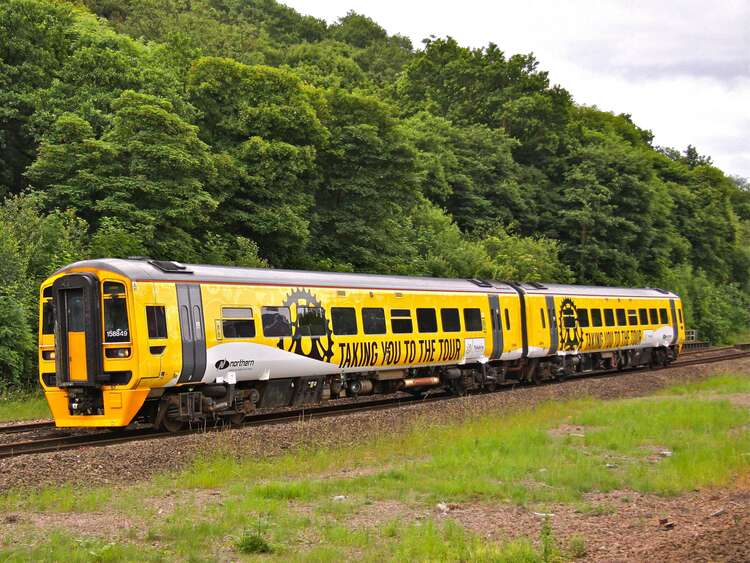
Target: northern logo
{"type": "Point", "coordinates": [234, 364]}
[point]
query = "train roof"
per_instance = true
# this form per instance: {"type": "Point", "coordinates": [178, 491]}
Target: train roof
{"type": "Point", "coordinates": [594, 290]}
{"type": "Point", "coordinates": [158, 270]}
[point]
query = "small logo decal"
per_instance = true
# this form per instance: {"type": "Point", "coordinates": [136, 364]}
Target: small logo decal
{"type": "Point", "coordinates": [221, 364]}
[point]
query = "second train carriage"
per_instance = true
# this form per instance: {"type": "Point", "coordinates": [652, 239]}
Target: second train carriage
{"type": "Point", "coordinates": [155, 341]}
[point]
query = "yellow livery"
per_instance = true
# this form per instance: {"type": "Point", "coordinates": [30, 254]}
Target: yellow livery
{"type": "Point", "coordinates": [124, 341]}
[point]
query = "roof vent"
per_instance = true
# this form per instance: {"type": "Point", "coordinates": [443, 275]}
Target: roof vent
{"type": "Point", "coordinates": [660, 290]}
{"type": "Point", "coordinates": [480, 283]}
{"type": "Point", "coordinates": [537, 285]}
{"type": "Point", "coordinates": [170, 267]}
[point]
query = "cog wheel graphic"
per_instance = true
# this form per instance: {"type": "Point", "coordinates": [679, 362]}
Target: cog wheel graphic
{"type": "Point", "coordinates": [571, 334]}
{"type": "Point", "coordinates": [321, 347]}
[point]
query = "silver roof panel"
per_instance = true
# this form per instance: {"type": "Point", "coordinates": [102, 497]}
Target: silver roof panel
{"type": "Point", "coordinates": [142, 270]}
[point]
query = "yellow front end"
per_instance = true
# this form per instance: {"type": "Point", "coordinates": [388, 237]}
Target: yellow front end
{"type": "Point", "coordinates": [118, 387]}
{"type": "Point", "coordinates": [120, 408]}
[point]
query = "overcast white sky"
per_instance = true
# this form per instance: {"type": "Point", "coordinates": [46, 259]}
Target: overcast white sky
{"type": "Point", "coordinates": [680, 67]}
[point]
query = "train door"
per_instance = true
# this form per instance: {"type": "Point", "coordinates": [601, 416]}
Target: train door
{"type": "Point", "coordinates": [497, 327]}
{"type": "Point", "coordinates": [675, 324]}
{"type": "Point", "coordinates": [78, 330]}
{"type": "Point", "coordinates": [192, 333]}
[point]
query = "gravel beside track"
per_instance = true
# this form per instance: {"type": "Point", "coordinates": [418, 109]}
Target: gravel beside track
{"type": "Point", "coordinates": [126, 463]}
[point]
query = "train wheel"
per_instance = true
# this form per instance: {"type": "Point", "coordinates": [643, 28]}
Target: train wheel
{"type": "Point", "coordinates": [172, 424]}
{"type": "Point", "coordinates": [167, 418]}
{"type": "Point", "coordinates": [237, 419]}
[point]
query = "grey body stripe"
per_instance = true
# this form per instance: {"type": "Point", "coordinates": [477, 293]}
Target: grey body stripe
{"type": "Point", "coordinates": [552, 319]}
{"type": "Point", "coordinates": [192, 330]}
{"type": "Point", "coordinates": [674, 321]}
{"type": "Point", "coordinates": [497, 327]}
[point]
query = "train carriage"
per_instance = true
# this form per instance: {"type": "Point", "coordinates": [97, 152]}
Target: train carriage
{"type": "Point", "coordinates": [122, 341]}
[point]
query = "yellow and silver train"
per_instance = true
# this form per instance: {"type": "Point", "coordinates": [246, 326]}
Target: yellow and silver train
{"type": "Point", "coordinates": [125, 341]}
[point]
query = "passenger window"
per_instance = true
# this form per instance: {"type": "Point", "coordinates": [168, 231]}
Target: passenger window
{"type": "Point", "coordinates": [156, 320]}
{"type": "Point", "coordinates": [237, 322]}
{"type": "Point", "coordinates": [373, 320]}
{"type": "Point", "coordinates": [544, 320]}
{"type": "Point", "coordinates": [664, 316]}
{"type": "Point", "coordinates": [48, 317]}
{"type": "Point", "coordinates": [116, 328]}
{"type": "Point", "coordinates": [632, 317]}
{"type": "Point", "coordinates": [426, 320]}
{"type": "Point", "coordinates": [596, 317]}
{"type": "Point", "coordinates": [654, 314]}
{"type": "Point", "coordinates": [621, 319]}
{"type": "Point", "coordinates": [643, 316]}
{"type": "Point", "coordinates": [473, 320]}
{"type": "Point", "coordinates": [401, 321]}
{"type": "Point", "coordinates": [583, 318]}
{"type": "Point", "coordinates": [451, 320]}
{"type": "Point", "coordinates": [507, 320]}
{"type": "Point", "coordinates": [277, 321]}
{"type": "Point", "coordinates": [344, 320]}
{"type": "Point", "coordinates": [311, 321]}
{"type": "Point", "coordinates": [609, 317]}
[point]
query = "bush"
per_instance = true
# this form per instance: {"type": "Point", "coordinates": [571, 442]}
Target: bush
{"type": "Point", "coordinates": [252, 541]}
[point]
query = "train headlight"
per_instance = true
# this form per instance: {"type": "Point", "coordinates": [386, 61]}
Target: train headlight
{"type": "Point", "coordinates": [117, 353]}
{"type": "Point", "coordinates": [48, 354]}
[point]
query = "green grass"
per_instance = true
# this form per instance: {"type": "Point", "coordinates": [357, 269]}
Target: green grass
{"type": "Point", "coordinates": [720, 384]}
{"type": "Point", "coordinates": [23, 406]}
{"type": "Point", "coordinates": [508, 459]}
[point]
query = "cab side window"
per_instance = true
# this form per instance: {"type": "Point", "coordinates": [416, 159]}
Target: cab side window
{"type": "Point", "coordinates": [116, 328]}
{"type": "Point", "coordinates": [156, 319]}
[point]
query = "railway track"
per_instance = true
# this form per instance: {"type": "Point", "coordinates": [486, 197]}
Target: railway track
{"type": "Point", "coordinates": [27, 427]}
{"type": "Point", "coordinates": [108, 437]}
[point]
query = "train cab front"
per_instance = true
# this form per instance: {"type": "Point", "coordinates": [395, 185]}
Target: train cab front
{"type": "Point", "coordinates": [87, 359]}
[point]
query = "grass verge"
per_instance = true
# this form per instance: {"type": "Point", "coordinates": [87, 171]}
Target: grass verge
{"type": "Point", "coordinates": [17, 406]}
{"type": "Point", "coordinates": [378, 500]}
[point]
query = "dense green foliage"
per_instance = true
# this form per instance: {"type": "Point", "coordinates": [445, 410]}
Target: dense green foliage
{"type": "Point", "coordinates": [243, 132]}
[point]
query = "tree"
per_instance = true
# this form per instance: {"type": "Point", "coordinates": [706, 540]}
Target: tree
{"type": "Point", "coordinates": [147, 171]}
{"type": "Point", "coordinates": [266, 124]}
{"type": "Point", "coordinates": [368, 185]}
{"type": "Point", "coordinates": [37, 39]}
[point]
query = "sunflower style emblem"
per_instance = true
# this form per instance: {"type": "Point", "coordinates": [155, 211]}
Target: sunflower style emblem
{"type": "Point", "coordinates": [571, 334]}
{"type": "Point", "coordinates": [303, 302]}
